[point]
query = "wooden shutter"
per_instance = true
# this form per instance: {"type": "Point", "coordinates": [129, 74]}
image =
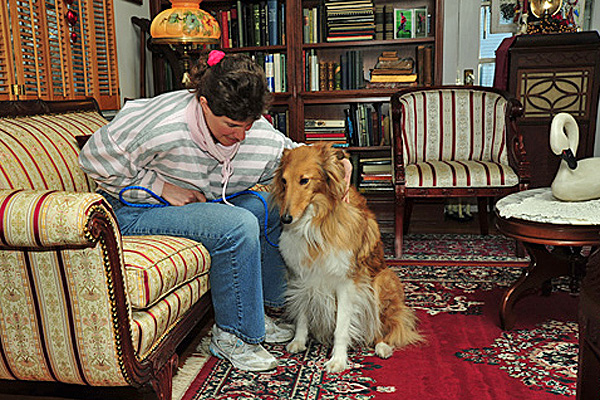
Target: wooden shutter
{"type": "Point", "coordinates": [38, 56]}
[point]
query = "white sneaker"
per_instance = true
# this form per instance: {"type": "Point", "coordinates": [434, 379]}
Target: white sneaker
{"type": "Point", "coordinates": [244, 356]}
{"type": "Point", "coordinates": [277, 333]}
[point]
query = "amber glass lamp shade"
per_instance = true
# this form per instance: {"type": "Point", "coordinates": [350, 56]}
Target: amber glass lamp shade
{"type": "Point", "coordinates": [185, 22]}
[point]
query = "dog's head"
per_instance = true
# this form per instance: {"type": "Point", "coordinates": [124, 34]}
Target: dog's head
{"type": "Point", "coordinates": [308, 175]}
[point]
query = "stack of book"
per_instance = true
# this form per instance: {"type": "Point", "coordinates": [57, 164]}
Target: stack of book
{"type": "Point", "coordinates": [329, 130]}
{"type": "Point", "coordinates": [349, 20]}
{"type": "Point", "coordinates": [390, 69]}
{"type": "Point", "coordinates": [375, 174]}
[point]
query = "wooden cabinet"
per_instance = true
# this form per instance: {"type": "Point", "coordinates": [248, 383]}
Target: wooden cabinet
{"type": "Point", "coordinates": [300, 103]}
{"type": "Point", "coordinates": [550, 74]}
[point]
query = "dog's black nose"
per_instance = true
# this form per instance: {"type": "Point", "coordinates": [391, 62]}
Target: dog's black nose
{"type": "Point", "coordinates": [286, 219]}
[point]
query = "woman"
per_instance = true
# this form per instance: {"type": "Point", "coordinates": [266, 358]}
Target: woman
{"type": "Point", "coordinates": [190, 148]}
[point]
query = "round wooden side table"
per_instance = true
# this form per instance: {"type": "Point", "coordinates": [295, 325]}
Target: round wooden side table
{"type": "Point", "coordinates": [553, 233]}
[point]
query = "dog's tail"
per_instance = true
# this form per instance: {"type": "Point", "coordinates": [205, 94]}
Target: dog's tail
{"type": "Point", "coordinates": [398, 321]}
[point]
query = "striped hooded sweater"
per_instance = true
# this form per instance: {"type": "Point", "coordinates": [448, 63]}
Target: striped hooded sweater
{"type": "Point", "coordinates": [149, 143]}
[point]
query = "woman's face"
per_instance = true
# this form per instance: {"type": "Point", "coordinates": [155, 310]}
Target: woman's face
{"type": "Point", "coordinates": [225, 130]}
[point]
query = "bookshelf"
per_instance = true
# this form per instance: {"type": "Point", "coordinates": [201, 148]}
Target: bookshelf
{"type": "Point", "coordinates": [295, 42]}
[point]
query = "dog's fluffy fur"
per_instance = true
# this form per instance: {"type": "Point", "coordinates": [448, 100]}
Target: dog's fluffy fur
{"type": "Point", "coordinates": [339, 289]}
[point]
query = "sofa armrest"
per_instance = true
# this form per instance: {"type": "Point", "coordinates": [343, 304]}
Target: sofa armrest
{"type": "Point", "coordinates": [35, 219]}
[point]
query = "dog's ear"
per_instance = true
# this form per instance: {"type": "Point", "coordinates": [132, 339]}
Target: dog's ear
{"type": "Point", "coordinates": [333, 169]}
{"type": "Point", "coordinates": [276, 187]}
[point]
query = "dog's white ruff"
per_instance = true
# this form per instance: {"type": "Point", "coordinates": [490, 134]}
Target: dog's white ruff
{"type": "Point", "coordinates": [322, 297]}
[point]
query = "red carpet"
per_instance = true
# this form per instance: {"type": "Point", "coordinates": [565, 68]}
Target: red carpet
{"type": "Point", "coordinates": [466, 356]}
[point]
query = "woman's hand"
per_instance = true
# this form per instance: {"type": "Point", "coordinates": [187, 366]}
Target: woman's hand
{"type": "Point", "coordinates": [178, 196]}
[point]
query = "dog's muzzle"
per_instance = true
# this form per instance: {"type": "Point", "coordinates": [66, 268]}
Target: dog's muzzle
{"type": "Point", "coordinates": [286, 219]}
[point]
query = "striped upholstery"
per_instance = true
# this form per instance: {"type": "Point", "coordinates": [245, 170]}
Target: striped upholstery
{"type": "Point", "coordinates": [455, 137]}
{"type": "Point", "coordinates": [156, 265]}
{"type": "Point", "coordinates": [152, 325]}
{"type": "Point", "coordinates": [40, 152]}
{"type": "Point", "coordinates": [57, 302]}
{"type": "Point", "coordinates": [55, 314]}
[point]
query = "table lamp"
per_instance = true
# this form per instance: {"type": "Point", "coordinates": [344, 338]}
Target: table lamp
{"type": "Point", "coordinates": [186, 23]}
{"type": "Point", "coordinates": [181, 30]}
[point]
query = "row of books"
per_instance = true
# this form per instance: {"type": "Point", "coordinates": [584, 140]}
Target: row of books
{"type": "Point", "coordinates": [338, 20]}
{"type": "Point", "coordinates": [280, 120]}
{"type": "Point", "coordinates": [258, 23]}
{"type": "Point", "coordinates": [363, 125]}
{"type": "Point", "coordinates": [373, 174]}
{"type": "Point", "coordinates": [347, 74]}
{"type": "Point", "coordinates": [391, 68]}
{"type": "Point", "coordinates": [349, 20]}
{"type": "Point", "coordinates": [275, 66]}
{"type": "Point", "coordinates": [368, 124]}
{"type": "Point", "coordinates": [328, 130]}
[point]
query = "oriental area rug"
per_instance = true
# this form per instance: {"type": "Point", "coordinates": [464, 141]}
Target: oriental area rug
{"type": "Point", "coordinates": [465, 354]}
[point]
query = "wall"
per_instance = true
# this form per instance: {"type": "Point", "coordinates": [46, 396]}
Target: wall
{"type": "Point", "coordinates": [461, 42]}
{"type": "Point", "coordinates": [128, 50]}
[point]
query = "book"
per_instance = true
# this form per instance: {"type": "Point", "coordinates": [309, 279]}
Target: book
{"type": "Point", "coordinates": [388, 21]}
{"type": "Point", "coordinates": [394, 78]}
{"type": "Point", "coordinates": [391, 71]}
{"type": "Point", "coordinates": [403, 22]}
{"type": "Point", "coordinates": [277, 72]}
{"type": "Point", "coordinates": [379, 21]}
{"type": "Point", "coordinates": [272, 21]}
{"type": "Point", "coordinates": [269, 72]}
{"type": "Point", "coordinates": [324, 123]}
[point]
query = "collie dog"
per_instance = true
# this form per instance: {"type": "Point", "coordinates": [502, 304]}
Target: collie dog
{"type": "Point", "coordinates": [340, 290]}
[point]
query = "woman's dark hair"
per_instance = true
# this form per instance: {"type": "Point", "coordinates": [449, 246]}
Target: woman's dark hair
{"type": "Point", "coordinates": [235, 87]}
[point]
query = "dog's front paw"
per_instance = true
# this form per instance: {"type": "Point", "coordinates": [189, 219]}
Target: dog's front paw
{"type": "Point", "coordinates": [336, 364]}
{"type": "Point", "coordinates": [296, 346]}
{"type": "Point", "coordinates": [383, 350]}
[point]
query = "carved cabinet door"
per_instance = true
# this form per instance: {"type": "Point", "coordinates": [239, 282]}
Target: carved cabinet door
{"type": "Point", "coordinates": [549, 74]}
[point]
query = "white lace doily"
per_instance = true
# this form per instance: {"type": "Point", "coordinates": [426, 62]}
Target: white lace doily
{"type": "Point", "coordinates": [539, 205]}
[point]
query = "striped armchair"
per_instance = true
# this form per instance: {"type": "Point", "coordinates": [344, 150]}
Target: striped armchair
{"type": "Point", "coordinates": [82, 309]}
{"type": "Point", "coordinates": [455, 141]}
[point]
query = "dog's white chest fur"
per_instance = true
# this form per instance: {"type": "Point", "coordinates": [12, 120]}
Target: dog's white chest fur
{"type": "Point", "coordinates": [316, 286]}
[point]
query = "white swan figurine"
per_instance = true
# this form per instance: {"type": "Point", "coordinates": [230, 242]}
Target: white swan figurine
{"type": "Point", "coordinates": [576, 180]}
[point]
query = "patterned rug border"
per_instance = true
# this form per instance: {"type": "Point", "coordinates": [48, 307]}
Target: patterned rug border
{"type": "Point", "coordinates": [445, 248]}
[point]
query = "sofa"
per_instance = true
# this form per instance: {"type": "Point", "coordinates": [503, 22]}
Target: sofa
{"type": "Point", "coordinates": [84, 311]}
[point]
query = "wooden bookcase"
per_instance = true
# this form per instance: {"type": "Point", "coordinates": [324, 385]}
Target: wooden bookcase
{"type": "Point", "coordinates": [302, 104]}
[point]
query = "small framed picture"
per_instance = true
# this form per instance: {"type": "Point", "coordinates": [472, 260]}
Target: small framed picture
{"type": "Point", "coordinates": [403, 23]}
{"type": "Point", "coordinates": [504, 15]}
{"type": "Point", "coordinates": [420, 22]}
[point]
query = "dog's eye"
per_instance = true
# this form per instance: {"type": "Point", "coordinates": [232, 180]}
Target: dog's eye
{"type": "Point", "coordinates": [303, 181]}
{"type": "Point", "coordinates": [283, 181]}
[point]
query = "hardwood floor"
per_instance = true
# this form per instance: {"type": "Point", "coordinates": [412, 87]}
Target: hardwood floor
{"type": "Point", "coordinates": [429, 217]}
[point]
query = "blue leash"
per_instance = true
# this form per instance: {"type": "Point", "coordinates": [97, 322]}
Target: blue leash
{"type": "Point", "coordinates": [165, 203]}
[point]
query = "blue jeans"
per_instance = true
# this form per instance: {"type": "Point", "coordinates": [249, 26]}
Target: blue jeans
{"type": "Point", "coordinates": [246, 272]}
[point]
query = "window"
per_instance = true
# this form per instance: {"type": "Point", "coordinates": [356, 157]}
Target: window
{"type": "Point", "coordinates": [488, 43]}
{"type": "Point", "coordinates": [58, 49]}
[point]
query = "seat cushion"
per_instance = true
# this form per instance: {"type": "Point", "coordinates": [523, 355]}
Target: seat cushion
{"type": "Point", "coordinates": [441, 174]}
{"type": "Point", "coordinates": [155, 266]}
{"type": "Point", "coordinates": [150, 326]}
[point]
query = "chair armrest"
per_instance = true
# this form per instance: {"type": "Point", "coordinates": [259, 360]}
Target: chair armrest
{"type": "Point", "coordinates": [46, 219]}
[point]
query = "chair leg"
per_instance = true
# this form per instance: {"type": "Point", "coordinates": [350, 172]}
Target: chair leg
{"type": "Point", "coordinates": [482, 208]}
{"type": "Point", "coordinates": [399, 227]}
{"type": "Point", "coordinates": [408, 207]}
